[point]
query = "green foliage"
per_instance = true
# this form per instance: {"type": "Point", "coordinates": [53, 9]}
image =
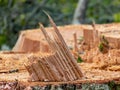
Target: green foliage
{"type": "Point", "coordinates": [81, 39]}
{"type": "Point", "coordinates": [2, 39]}
{"type": "Point", "coordinates": [112, 85]}
{"type": "Point", "coordinates": [95, 87]}
{"type": "Point", "coordinates": [79, 60]}
{"type": "Point", "coordinates": [118, 87]}
{"type": "Point", "coordinates": [16, 15]}
{"type": "Point", "coordinates": [104, 44]}
{"type": "Point", "coordinates": [104, 40]}
{"type": "Point", "coordinates": [36, 88]}
{"type": "Point", "coordinates": [103, 11]}
{"type": "Point", "coordinates": [108, 86]}
{"type": "Point", "coordinates": [117, 17]}
{"type": "Point", "coordinates": [101, 47]}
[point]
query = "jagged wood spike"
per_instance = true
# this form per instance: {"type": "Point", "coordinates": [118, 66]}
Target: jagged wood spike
{"type": "Point", "coordinates": [49, 71]}
{"type": "Point", "coordinates": [59, 67]}
{"type": "Point", "coordinates": [62, 40]}
{"type": "Point", "coordinates": [93, 24]}
{"type": "Point", "coordinates": [65, 54]}
{"type": "Point", "coordinates": [64, 62]}
{"type": "Point", "coordinates": [45, 69]}
{"type": "Point", "coordinates": [37, 69]}
{"type": "Point", "coordinates": [51, 21]}
{"type": "Point", "coordinates": [75, 42]}
{"type": "Point", "coordinates": [95, 32]}
{"type": "Point", "coordinates": [62, 58]}
{"type": "Point", "coordinates": [49, 40]}
{"type": "Point", "coordinates": [48, 61]}
{"type": "Point", "coordinates": [53, 46]}
{"type": "Point", "coordinates": [68, 67]}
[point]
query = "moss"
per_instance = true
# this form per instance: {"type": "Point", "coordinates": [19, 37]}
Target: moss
{"type": "Point", "coordinates": [104, 45]}
{"type": "Point", "coordinates": [101, 47]}
{"type": "Point", "coordinates": [104, 40]}
{"type": "Point", "coordinates": [79, 60]}
{"type": "Point", "coordinates": [95, 87]}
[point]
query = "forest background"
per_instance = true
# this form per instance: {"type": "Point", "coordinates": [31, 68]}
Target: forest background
{"type": "Point", "coordinates": [17, 15]}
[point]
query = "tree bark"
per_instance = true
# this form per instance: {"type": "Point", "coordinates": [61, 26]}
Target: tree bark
{"type": "Point", "coordinates": [80, 12]}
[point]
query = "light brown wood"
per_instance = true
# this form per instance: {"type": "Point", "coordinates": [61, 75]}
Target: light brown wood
{"type": "Point", "coordinates": [68, 65]}
{"type": "Point", "coordinates": [75, 42]}
{"type": "Point", "coordinates": [92, 75]}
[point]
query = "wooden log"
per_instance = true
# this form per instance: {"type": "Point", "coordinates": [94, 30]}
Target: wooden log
{"type": "Point", "coordinates": [65, 45]}
{"type": "Point", "coordinates": [53, 46]}
{"type": "Point", "coordinates": [65, 67]}
{"type": "Point", "coordinates": [32, 73]}
{"type": "Point", "coordinates": [27, 44]}
{"type": "Point", "coordinates": [57, 37]}
{"type": "Point", "coordinates": [52, 68]}
{"type": "Point", "coordinates": [66, 62]}
{"type": "Point", "coordinates": [59, 67]}
{"type": "Point", "coordinates": [68, 59]}
{"type": "Point", "coordinates": [46, 72]}
{"type": "Point", "coordinates": [39, 71]}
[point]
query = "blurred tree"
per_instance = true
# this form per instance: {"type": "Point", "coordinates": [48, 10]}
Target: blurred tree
{"type": "Point", "coordinates": [80, 12]}
{"type": "Point", "coordinates": [102, 11]}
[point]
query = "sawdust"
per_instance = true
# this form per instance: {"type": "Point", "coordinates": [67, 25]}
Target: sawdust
{"type": "Point", "coordinates": [97, 67]}
{"type": "Point", "coordinates": [107, 61]}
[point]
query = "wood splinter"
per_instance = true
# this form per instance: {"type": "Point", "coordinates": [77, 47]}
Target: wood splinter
{"type": "Point", "coordinates": [75, 42]}
{"type": "Point", "coordinates": [59, 65]}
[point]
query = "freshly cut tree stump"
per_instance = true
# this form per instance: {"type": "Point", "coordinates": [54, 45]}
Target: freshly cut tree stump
{"type": "Point", "coordinates": [60, 65]}
{"type": "Point", "coordinates": [12, 69]}
{"type": "Point", "coordinates": [111, 32]}
{"type": "Point", "coordinates": [29, 44]}
{"type": "Point", "coordinates": [37, 43]}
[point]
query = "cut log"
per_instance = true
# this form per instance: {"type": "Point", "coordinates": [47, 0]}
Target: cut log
{"type": "Point", "coordinates": [33, 40]}
{"type": "Point", "coordinates": [16, 60]}
{"type": "Point", "coordinates": [27, 44]}
{"type": "Point", "coordinates": [110, 33]}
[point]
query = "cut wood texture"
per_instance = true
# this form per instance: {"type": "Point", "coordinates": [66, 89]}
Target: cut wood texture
{"type": "Point", "coordinates": [32, 41]}
{"type": "Point", "coordinates": [59, 66]}
{"type": "Point", "coordinates": [105, 53]}
{"type": "Point", "coordinates": [111, 33]}
{"type": "Point", "coordinates": [29, 44]}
